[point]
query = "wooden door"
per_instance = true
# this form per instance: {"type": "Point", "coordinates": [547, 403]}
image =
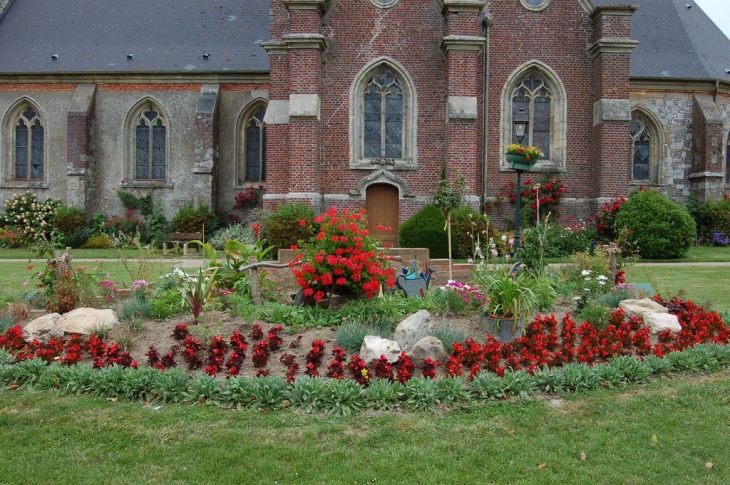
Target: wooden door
{"type": "Point", "coordinates": [381, 202]}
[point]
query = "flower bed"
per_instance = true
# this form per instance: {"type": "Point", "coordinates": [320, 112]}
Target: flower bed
{"type": "Point", "coordinates": [550, 357]}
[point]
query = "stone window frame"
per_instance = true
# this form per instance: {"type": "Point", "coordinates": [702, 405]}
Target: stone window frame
{"type": "Point", "coordinates": [555, 160]}
{"type": "Point", "coordinates": [535, 8]}
{"type": "Point", "coordinates": [133, 118]}
{"type": "Point", "coordinates": [652, 128]}
{"type": "Point", "coordinates": [408, 161]}
{"type": "Point", "coordinates": [13, 116]}
{"type": "Point", "coordinates": [247, 115]}
{"type": "Point", "coordinates": [384, 4]}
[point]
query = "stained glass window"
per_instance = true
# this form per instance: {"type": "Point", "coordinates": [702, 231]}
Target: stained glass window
{"type": "Point", "coordinates": [150, 142]}
{"type": "Point", "coordinates": [534, 97]}
{"type": "Point", "coordinates": [255, 142]}
{"type": "Point", "coordinates": [383, 117]}
{"type": "Point", "coordinates": [640, 150]}
{"type": "Point", "coordinates": [29, 141]}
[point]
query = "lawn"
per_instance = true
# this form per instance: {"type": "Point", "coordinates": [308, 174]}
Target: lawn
{"type": "Point", "coordinates": [672, 430]}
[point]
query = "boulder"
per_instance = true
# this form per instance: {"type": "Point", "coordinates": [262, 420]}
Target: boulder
{"type": "Point", "coordinates": [373, 347]}
{"type": "Point", "coordinates": [86, 321]}
{"type": "Point", "coordinates": [658, 322]}
{"type": "Point", "coordinates": [637, 308]}
{"type": "Point", "coordinates": [43, 328]}
{"type": "Point", "coordinates": [413, 329]}
{"type": "Point", "coordinates": [428, 348]}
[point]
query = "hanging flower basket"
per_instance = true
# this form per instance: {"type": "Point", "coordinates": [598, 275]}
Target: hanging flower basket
{"type": "Point", "coordinates": [520, 162]}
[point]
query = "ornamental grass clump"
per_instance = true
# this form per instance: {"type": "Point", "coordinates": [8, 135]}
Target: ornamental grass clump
{"type": "Point", "coordinates": [342, 258]}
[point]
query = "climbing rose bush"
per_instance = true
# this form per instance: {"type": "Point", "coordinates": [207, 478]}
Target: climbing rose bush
{"type": "Point", "coordinates": [342, 257]}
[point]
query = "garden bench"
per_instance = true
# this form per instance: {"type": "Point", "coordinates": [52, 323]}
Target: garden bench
{"type": "Point", "coordinates": [175, 238]}
{"type": "Point", "coordinates": [414, 283]}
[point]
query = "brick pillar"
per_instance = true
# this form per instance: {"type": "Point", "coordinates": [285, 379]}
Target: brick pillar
{"type": "Point", "coordinates": [295, 85]}
{"type": "Point", "coordinates": [79, 147]}
{"type": "Point", "coordinates": [610, 51]}
{"type": "Point", "coordinates": [464, 50]}
{"type": "Point", "coordinates": [206, 150]}
{"type": "Point", "coordinates": [707, 170]}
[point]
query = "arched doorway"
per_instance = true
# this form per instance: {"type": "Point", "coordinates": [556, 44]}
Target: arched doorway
{"type": "Point", "coordinates": [381, 202]}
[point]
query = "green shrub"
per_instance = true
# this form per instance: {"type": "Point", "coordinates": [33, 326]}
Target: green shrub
{"type": "Point", "coordinates": [283, 229]}
{"type": "Point", "coordinates": [195, 219]}
{"type": "Point", "coordinates": [238, 232]}
{"type": "Point", "coordinates": [657, 227]}
{"type": "Point", "coordinates": [712, 218]}
{"type": "Point", "coordinates": [68, 219]}
{"type": "Point", "coordinates": [97, 242]}
{"type": "Point", "coordinates": [469, 228]}
{"type": "Point", "coordinates": [448, 336]}
{"type": "Point", "coordinates": [425, 229]}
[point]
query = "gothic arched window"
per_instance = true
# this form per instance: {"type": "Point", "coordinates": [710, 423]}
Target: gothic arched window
{"type": "Point", "coordinates": [534, 96]}
{"type": "Point", "coordinates": [254, 145]}
{"type": "Point", "coordinates": [643, 168]}
{"type": "Point", "coordinates": [150, 145]}
{"type": "Point", "coordinates": [28, 159]}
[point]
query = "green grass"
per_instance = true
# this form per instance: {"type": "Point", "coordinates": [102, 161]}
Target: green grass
{"type": "Point", "coordinates": [24, 253]}
{"type": "Point", "coordinates": [662, 432]}
{"type": "Point", "coordinates": [15, 274]}
{"type": "Point", "coordinates": [701, 284]}
{"type": "Point", "coordinates": [700, 254]}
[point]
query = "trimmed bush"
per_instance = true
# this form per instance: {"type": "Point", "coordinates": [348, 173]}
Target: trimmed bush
{"type": "Point", "coordinates": [713, 218]}
{"type": "Point", "coordinates": [425, 229]}
{"type": "Point", "coordinates": [657, 227]}
{"type": "Point", "coordinates": [191, 219]}
{"type": "Point", "coordinates": [283, 228]}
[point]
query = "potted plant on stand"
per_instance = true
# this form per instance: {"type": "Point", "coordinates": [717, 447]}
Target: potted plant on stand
{"type": "Point", "coordinates": [511, 298]}
{"type": "Point", "coordinates": [522, 157]}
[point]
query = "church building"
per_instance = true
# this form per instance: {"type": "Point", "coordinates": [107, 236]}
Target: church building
{"type": "Point", "coordinates": [359, 104]}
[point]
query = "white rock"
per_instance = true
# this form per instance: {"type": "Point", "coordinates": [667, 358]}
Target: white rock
{"type": "Point", "coordinates": [412, 329]}
{"type": "Point", "coordinates": [637, 308]}
{"type": "Point", "coordinates": [86, 321]}
{"type": "Point", "coordinates": [373, 347]}
{"type": "Point", "coordinates": [658, 322]}
{"type": "Point", "coordinates": [43, 328]}
{"type": "Point", "coordinates": [428, 348]}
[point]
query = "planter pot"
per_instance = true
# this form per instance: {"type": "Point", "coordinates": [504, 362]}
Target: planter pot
{"type": "Point", "coordinates": [503, 329]}
{"type": "Point", "coordinates": [519, 162]}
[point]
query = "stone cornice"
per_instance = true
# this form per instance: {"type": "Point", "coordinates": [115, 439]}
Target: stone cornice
{"type": "Point", "coordinates": [462, 6]}
{"type": "Point", "coordinates": [613, 10]}
{"type": "Point", "coordinates": [668, 84]}
{"type": "Point", "coordinates": [321, 5]}
{"type": "Point", "coordinates": [305, 41]}
{"type": "Point", "coordinates": [275, 48]}
{"type": "Point", "coordinates": [612, 46]}
{"type": "Point", "coordinates": [462, 43]}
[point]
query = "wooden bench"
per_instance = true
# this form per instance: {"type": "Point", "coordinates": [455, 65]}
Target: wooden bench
{"type": "Point", "coordinates": [182, 237]}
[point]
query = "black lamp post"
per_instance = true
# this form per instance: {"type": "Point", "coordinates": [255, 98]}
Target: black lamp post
{"type": "Point", "coordinates": [520, 122]}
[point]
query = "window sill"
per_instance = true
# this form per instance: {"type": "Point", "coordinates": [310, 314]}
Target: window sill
{"type": "Point", "coordinates": [139, 184]}
{"type": "Point", "coordinates": [24, 184]}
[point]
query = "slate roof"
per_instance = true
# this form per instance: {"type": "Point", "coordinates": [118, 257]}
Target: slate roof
{"type": "Point", "coordinates": [676, 41]}
{"type": "Point", "coordinates": [96, 36]}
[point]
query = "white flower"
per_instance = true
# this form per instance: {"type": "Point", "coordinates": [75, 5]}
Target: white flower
{"type": "Point", "coordinates": [602, 277]}
{"type": "Point", "coordinates": [585, 272]}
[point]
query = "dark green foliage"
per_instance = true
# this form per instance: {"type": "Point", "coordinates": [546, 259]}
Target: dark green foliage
{"type": "Point", "coordinates": [467, 228]}
{"type": "Point", "coordinates": [68, 219]}
{"type": "Point", "coordinates": [657, 227]}
{"type": "Point", "coordinates": [283, 228]}
{"type": "Point", "coordinates": [425, 229]}
{"type": "Point", "coordinates": [711, 218]}
{"type": "Point", "coordinates": [195, 219]}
